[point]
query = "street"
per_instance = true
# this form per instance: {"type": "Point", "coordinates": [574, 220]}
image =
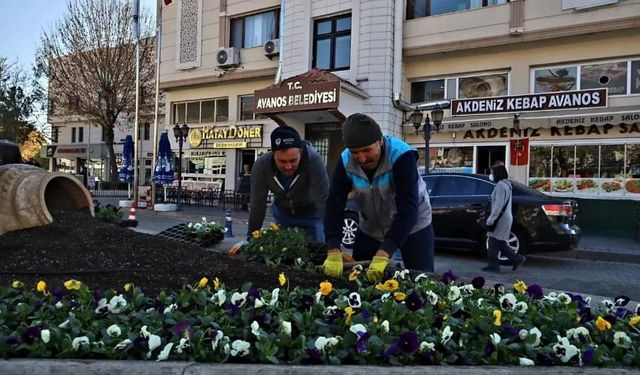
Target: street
{"type": "Point", "coordinates": [597, 278]}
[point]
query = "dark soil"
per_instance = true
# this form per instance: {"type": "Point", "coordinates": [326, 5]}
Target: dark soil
{"type": "Point", "coordinates": [106, 256]}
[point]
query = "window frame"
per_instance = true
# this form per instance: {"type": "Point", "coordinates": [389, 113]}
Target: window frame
{"type": "Point", "coordinates": [176, 106]}
{"type": "Point", "coordinates": [333, 35]}
{"type": "Point", "coordinates": [456, 78]}
{"type": "Point", "coordinates": [242, 33]}
{"type": "Point", "coordinates": [255, 116]}
{"type": "Point", "coordinates": [428, 6]}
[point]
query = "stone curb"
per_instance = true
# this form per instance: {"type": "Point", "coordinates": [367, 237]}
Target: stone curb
{"type": "Point", "coordinates": [65, 367]}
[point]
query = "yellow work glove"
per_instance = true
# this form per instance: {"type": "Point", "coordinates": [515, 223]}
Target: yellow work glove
{"type": "Point", "coordinates": [332, 266]}
{"type": "Point", "coordinates": [375, 272]}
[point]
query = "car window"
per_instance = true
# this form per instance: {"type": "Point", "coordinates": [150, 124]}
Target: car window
{"type": "Point", "coordinates": [460, 185]}
{"type": "Point", "coordinates": [484, 188]}
{"type": "Point", "coordinates": [431, 182]}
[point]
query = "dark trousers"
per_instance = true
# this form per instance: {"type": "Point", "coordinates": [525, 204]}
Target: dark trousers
{"type": "Point", "coordinates": [497, 247]}
{"type": "Point", "coordinates": [417, 251]}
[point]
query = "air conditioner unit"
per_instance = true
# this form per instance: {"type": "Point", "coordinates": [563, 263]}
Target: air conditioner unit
{"type": "Point", "coordinates": [228, 57]}
{"type": "Point", "coordinates": [272, 48]}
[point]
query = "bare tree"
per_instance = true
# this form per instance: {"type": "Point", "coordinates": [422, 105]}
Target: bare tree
{"type": "Point", "coordinates": [89, 59]}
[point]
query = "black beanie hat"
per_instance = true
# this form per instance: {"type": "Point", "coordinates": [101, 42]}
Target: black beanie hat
{"type": "Point", "coordinates": [360, 130]}
{"type": "Point", "coordinates": [285, 137]}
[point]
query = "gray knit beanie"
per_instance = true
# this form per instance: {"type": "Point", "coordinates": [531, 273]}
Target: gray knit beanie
{"type": "Point", "coordinates": [360, 130]}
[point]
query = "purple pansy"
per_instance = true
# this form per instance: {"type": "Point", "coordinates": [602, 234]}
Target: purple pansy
{"type": "Point", "coordinates": [448, 277]}
{"type": "Point", "coordinates": [478, 282]}
{"type": "Point", "coordinates": [535, 291]}
{"type": "Point", "coordinates": [30, 334]}
{"type": "Point", "coordinates": [408, 342]}
{"type": "Point", "coordinates": [414, 302]}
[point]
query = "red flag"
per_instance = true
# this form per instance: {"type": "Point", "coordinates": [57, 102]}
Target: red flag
{"type": "Point", "coordinates": [519, 151]}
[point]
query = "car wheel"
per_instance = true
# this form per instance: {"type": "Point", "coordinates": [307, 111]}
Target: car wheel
{"type": "Point", "coordinates": [349, 229]}
{"type": "Point", "coordinates": [516, 242]}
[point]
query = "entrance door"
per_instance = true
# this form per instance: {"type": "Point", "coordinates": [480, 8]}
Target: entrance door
{"type": "Point", "coordinates": [487, 156]}
{"type": "Point", "coordinates": [326, 138]}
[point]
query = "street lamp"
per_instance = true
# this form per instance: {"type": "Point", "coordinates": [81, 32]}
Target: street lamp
{"type": "Point", "coordinates": [181, 133]}
{"type": "Point", "coordinates": [416, 120]}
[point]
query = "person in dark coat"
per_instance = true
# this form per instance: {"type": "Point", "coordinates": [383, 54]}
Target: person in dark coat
{"type": "Point", "coordinates": [244, 186]}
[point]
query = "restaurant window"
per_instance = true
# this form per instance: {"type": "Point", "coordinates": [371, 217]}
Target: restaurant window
{"type": "Point", "coordinates": [246, 109]}
{"type": "Point", "coordinates": [612, 76]}
{"type": "Point", "coordinates": [254, 30]}
{"type": "Point", "coordinates": [332, 43]}
{"type": "Point", "coordinates": [635, 77]}
{"type": "Point", "coordinates": [587, 157]}
{"type": "Point", "coordinates": [612, 161]}
{"type": "Point", "coordinates": [427, 91]}
{"type": "Point", "coordinates": [425, 8]}
{"type": "Point", "coordinates": [633, 161]}
{"type": "Point", "coordinates": [455, 87]}
{"type": "Point", "coordinates": [540, 161]}
{"type": "Point", "coordinates": [563, 161]}
{"type": "Point", "coordinates": [555, 79]}
{"type": "Point", "coordinates": [449, 159]}
{"type": "Point", "coordinates": [483, 86]}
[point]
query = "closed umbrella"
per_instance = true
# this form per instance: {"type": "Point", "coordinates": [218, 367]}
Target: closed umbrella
{"type": "Point", "coordinates": [126, 172]}
{"type": "Point", "coordinates": [163, 175]}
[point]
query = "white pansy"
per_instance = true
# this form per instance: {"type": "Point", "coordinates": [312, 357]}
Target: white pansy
{"type": "Point", "coordinates": [526, 361]}
{"type": "Point", "coordinates": [330, 310]}
{"type": "Point", "coordinates": [274, 296]}
{"type": "Point", "coordinates": [171, 308]}
{"type": "Point", "coordinates": [354, 300]}
{"type": "Point", "coordinates": [153, 342]}
{"type": "Point", "coordinates": [59, 305]}
{"type": "Point", "coordinates": [621, 339]}
{"type": "Point", "coordinates": [219, 297]}
{"type": "Point", "coordinates": [608, 304]}
{"type": "Point", "coordinates": [286, 328]}
{"type": "Point", "coordinates": [454, 293]}
{"type": "Point", "coordinates": [551, 297]}
{"type": "Point", "coordinates": [64, 324]}
{"type": "Point", "coordinates": [385, 326]}
{"type": "Point", "coordinates": [467, 289]}
{"type": "Point", "coordinates": [587, 300]}
{"type": "Point", "coordinates": [216, 339]}
{"type": "Point", "coordinates": [564, 349]}
{"type": "Point", "coordinates": [358, 328]}
{"type": "Point", "coordinates": [190, 225]}
{"type": "Point", "coordinates": [298, 261]}
{"type": "Point", "coordinates": [258, 303]}
{"type": "Point", "coordinates": [227, 349]}
{"type": "Point", "coordinates": [507, 302]}
{"type": "Point", "coordinates": [255, 329]}
{"type": "Point", "coordinates": [240, 348]}
{"type": "Point", "coordinates": [102, 306]}
{"type": "Point", "coordinates": [122, 344]}
{"type": "Point", "coordinates": [45, 335]}
{"type": "Point", "coordinates": [523, 334]}
{"type": "Point", "coordinates": [521, 307]}
{"type": "Point", "coordinates": [78, 341]}
{"type": "Point", "coordinates": [204, 219]}
{"type": "Point", "coordinates": [427, 346]}
{"type": "Point", "coordinates": [538, 334]}
{"type": "Point", "coordinates": [578, 333]}
{"type": "Point", "coordinates": [421, 276]}
{"type": "Point", "coordinates": [564, 298]}
{"type": "Point", "coordinates": [432, 298]}
{"type": "Point", "coordinates": [117, 304]}
{"type": "Point", "coordinates": [239, 299]}
{"type": "Point", "coordinates": [495, 338]}
{"type": "Point", "coordinates": [164, 354]}
{"type": "Point", "coordinates": [184, 343]}
{"type": "Point", "coordinates": [385, 297]}
{"type": "Point", "coordinates": [114, 330]}
{"type": "Point", "coordinates": [401, 274]}
{"type": "Point", "coordinates": [144, 332]}
{"type": "Point", "coordinates": [323, 343]}
{"type": "Point", "coordinates": [446, 335]}
{"type": "Point", "coordinates": [479, 302]}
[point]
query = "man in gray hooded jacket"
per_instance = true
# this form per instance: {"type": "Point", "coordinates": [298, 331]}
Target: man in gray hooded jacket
{"type": "Point", "coordinates": [296, 175]}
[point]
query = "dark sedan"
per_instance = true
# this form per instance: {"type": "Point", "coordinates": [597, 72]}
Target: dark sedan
{"type": "Point", "coordinates": [541, 223]}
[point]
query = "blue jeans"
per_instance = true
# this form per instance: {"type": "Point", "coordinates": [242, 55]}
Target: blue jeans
{"type": "Point", "coordinates": [312, 226]}
{"type": "Point", "coordinates": [417, 250]}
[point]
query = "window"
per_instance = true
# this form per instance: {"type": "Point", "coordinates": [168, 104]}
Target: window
{"type": "Point", "coordinates": [332, 43]}
{"type": "Point", "coordinates": [246, 109]}
{"type": "Point", "coordinates": [254, 30]}
{"type": "Point", "coordinates": [482, 86]}
{"type": "Point", "coordinates": [425, 8]}
{"type": "Point", "coordinates": [80, 134]}
{"type": "Point", "coordinates": [461, 186]}
{"type": "Point", "coordinates": [427, 91]}
{"type": "Point", "coordinates": [146, 128]}
{"type": "Point", "coordinates": [198, 112]}
{"type": "Point", "coordinates": [73, 135]}
{"type": "Point", "coordinates": [478, 86]}
{"type": "Point", "coordinates": [610, 75]}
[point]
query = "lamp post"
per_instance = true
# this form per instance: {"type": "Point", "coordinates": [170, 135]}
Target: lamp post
{"type": "Point", "coordinates": [181, 133]}
{"type": "Point", "coordinates": [416, 120]}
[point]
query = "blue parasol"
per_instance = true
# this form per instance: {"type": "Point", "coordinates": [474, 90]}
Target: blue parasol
{"type": "Point", "coordinates": [164, 162]}
{"type": "Point", "coordinates": [126, 172]}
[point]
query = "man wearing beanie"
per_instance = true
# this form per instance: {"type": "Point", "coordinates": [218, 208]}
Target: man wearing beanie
{"type": "Point", "coordinates": [296, 175]}
{"type": "Point", "coordinates": [395, 212]}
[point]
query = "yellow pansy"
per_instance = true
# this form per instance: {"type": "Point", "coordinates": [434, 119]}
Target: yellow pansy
{"type": "Point", "coordinates": [41, 286]}
{"type": "Point", "coordinates": [602, 324]}
{"type": "Point", "coordinates": [203, 282]}
{"type": "Point", "coordinates": [282, 279]}
{"type": "Point", "coordinates": [17, 284]}
{"type": "Point", "coordinates": [442, 304]}
{"type": "Point", "coordinates": [274, 226]}
{"type": "Point", "coordinates": [349, 311]}
{"type": "Point", "coordinates": [634, 321]}
{"type": "Point", "coordinates": [216, 283]}
{"type": "Point", "coordinates": [388, 286]}
{"type": "Point", "coordinates": [354, 275]}
{"type": "Point", "coordinates": [128, 287]}
{"type": "Point", "coordinates": [255, 234]}
{"type": "Point", "coordinates": [497, 314]}
{"type": "Point", "coordinates": [72, 284]}
{"type": "Point", "coordinates": [325, 288]}
{"type": "Point", "coordinates": [399, 296]}
{"type": "Point", "coordinates": [520, 286]}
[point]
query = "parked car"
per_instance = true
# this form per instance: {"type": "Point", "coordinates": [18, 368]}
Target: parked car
{"type": "Point", "coordinates": [541, 223]}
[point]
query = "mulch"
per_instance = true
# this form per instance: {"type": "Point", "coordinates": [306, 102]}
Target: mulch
{"type": "Point", "coordinates": [106, 256]}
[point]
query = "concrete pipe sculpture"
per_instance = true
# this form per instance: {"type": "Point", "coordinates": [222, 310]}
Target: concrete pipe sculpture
{"type": "Point", "coordinates": [27, 193]}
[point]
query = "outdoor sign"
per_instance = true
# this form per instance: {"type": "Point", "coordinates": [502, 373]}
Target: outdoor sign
{"type": "Point", "coordinates": [297, 94]}
{"type": "Point", "coordinates": [229, 144]}
{"type": "Point", "coordinates": [551, 101]}
{"type": "Point", "coordinates": [72, 151]}
{"type": "Point", "coordinates": [197, 136]}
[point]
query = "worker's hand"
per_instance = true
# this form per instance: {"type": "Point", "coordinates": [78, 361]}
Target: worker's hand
{"type": "Point", "coordinates": [332, 266]}
{"type": "Point", "coordinates": [375, 272]}
{"type": "Point", "coordinates": [235, 249]}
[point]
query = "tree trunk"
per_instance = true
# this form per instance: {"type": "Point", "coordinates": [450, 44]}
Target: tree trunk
{"type": "Point", "coordinates": [112, 172]}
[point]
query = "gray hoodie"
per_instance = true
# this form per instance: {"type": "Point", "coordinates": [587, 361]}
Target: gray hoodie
{"type": "Point", "coordinates": [305, 197]}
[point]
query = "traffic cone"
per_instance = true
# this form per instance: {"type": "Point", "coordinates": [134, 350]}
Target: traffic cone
{"type": "Point", "coordinates": [132, 213]}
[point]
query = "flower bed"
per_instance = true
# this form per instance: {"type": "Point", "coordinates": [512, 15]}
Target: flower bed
{"type": "Point", "coordinates": [405, 320]}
